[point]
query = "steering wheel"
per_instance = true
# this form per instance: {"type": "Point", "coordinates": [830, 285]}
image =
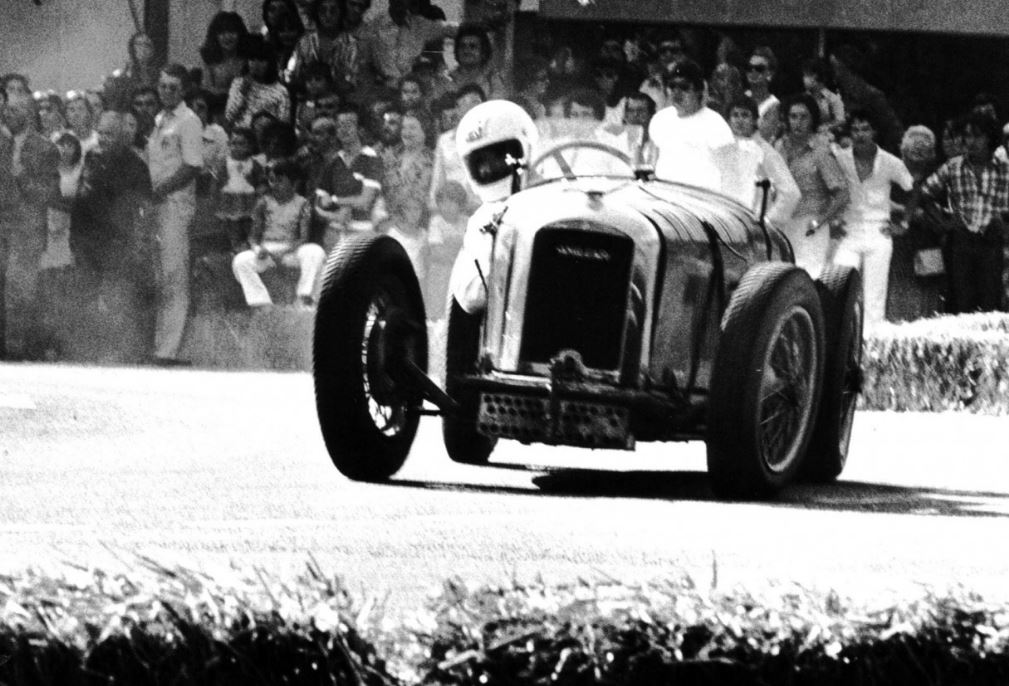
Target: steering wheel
{"type": "Point", "coordinates": [555, 153]}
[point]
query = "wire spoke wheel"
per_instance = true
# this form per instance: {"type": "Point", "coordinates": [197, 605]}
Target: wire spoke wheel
{"type": "Point", "coordinates": [765, 383]}
{"type": "Point", "coordinates": [369, 329]}
{"type": "Point", "coordinates": [381, 351]}
{"type": "Point", "coordinates": [840, 292]}
{"type": "Point", "coordinates": [786, 389]}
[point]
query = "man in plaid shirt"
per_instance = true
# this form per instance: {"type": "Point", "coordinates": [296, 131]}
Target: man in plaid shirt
{"type": "Point", "coordinates": [975, 186]}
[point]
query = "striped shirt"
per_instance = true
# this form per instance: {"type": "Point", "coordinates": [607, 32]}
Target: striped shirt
{"type": "Point", "coordinates": [249, 97]}
{"type": "Point", "coordinates": [976, 195]}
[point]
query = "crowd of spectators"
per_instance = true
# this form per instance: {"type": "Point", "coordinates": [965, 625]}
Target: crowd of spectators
{"type": "Point", "coordinates": [326, 121]}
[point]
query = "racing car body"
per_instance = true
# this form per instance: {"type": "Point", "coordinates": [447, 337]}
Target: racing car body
{"type": "Point", "coordinates": [615, 309]}
{"type": "Point", "coordinates": [613, 287]}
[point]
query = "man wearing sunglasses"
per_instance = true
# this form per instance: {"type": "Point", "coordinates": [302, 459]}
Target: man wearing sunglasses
{"type": "Point", "coordinates": [760, 69]}
{"type": "Point", "coordinates": [669, 52]}
{"type": "Point", "coordinates": [695, 144]}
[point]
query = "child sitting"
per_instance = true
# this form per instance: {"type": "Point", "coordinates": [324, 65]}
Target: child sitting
{"type": "Point", "coordinates": [280, 225]}
{"type": "Point", "coordinates": [242, 174]}
{"type": "Point", "coordinates": [445, 234]}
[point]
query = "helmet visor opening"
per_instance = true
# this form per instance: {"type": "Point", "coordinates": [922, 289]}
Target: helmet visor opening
{"type": "Point", "coordinates": [494, 162]}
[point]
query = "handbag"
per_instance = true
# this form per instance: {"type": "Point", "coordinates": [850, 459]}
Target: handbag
{"type": "Point", "coordinates": [929, 262]}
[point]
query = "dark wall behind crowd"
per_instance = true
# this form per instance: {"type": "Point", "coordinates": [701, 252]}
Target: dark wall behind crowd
{"type": "Point", "coordinates": [927, 77]}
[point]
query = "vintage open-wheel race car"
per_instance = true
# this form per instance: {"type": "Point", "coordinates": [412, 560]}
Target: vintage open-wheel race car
{"type": "Point", "coordinates": [618, 308]}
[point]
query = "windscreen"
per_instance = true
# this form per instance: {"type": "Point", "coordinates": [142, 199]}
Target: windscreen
{"type": "Point", "coordinates": [583, 160]}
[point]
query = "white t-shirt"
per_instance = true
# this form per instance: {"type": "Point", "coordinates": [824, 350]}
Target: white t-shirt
{"type": "Point", "coordinates": [870, 199]}
{"type": "Point", "coordinates": [755, 160]}
{"type": "Point", "coordinates": [694, 149]}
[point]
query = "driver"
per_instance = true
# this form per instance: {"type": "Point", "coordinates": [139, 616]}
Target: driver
{"type": "Point", "coordinates": [494, 141]}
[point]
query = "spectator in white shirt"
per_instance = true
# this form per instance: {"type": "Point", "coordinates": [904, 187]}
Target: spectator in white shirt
{"type": "Point", "coordinates": [756, 160]}
{"type": "Point", "coordinates": [695, 144]}
{"type": "Point", "coordinates": [867, 243]}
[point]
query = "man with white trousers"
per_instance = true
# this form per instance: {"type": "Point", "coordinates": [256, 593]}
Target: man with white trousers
{"type": "Point", "coordinates": [175, 159]}
{"type": "Point", "coordinates": [867, 244]}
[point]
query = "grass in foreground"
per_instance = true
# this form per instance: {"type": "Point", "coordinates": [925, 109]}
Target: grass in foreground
{"type": "Point", "coordinates": [174, 626]}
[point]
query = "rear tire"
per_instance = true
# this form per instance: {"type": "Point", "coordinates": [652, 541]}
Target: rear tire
{"type": "Point", "coordinates": [840, 290]}
{"type": "Point", "coordinates": [462, 441]}
{"type": "Point", "coordinates": [766, 382]}
{"type": "Point", "coordinates": [370, 321]}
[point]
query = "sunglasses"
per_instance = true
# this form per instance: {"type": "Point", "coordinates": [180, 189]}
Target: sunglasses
{"type": "Point", "coordinates": [680, 86]}
{"type": "Point", "coordinates": [759, 68]}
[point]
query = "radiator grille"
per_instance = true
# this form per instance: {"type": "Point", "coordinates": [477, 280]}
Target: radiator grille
{"type": "Point", "coordinates": [577, 299]}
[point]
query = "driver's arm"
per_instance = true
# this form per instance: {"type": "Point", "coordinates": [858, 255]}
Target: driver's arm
{"type": "Point", "coordinates": [472, 266]}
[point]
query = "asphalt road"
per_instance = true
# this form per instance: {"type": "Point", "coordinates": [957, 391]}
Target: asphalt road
{"type": "Point", "coordinates": [218, 469]}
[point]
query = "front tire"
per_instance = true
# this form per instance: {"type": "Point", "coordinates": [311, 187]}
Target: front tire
{"type": "Point", "coordinates": [462, 441]}
{"type": "Point", "coordinates": [840, 290]}
{"type": "Point", "coordinates": [370, 322]}
{"type": "Point", "coordinates": [765, 384]}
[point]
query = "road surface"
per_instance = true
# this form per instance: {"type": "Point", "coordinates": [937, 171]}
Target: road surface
{"type": "Point", "coordinates": [211, 469]}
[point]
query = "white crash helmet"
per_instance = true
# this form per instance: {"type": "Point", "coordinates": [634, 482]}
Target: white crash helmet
{"type": "Point", "coordinates": [494, 139]}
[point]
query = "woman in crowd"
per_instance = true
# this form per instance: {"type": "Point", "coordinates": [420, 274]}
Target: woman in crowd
{"type": "Point", "coordinates": [607, 76]}
{"type": "Point", "coordinates": [141, 70]}
{"type": "Point", "coordinates": [532, 78]}
{"type": "Point", "coordinates": [220, 53]}
{"type": "Point", "coordinates": [816, 79]}
{"type": "Point", "coordinates": [413, 95]}
{"type": "Point", "coordinates": [473, 53]}
{"type": "Point", "coordinates": [52, 115]}
{"type": "Point", "coordinates": [914, 292]}
{"type": "Point", "coordinates": [274, 13]}
{"type": "Point", "coordinates": [824, 187]}
{"type": "Point", "coordinates": [329, 44]}
{"type": "Point", "coordinates": [283, 40]}
{"type": "Point", "coordinates": [317, 82]}
{"type": "Point", "coordinates": [724, 88]}
{"type": "Point", "coordinates": [15, 86]}
{"type": "Point", "coordinates": [57, 260]}
{"type": "Point", "coordinates": [81, 120]}
{"type": "Point", "coordinates": [405, 188]}
{"type": "Point", "coordinates": [257, 90]}
{"type": "Point", "coordinates": [97, 101]}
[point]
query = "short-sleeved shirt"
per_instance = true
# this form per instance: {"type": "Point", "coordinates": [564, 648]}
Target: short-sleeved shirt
{"type": "Point", "coordinates": [816, 172]}
{"type": "Point", "coordinates": [277, 222]}
{"type": "Point", "coordinates": [757, 160]}
{"type": "Point", "coordinates": [977, 195]}
{"type": "Point", "coordinates": [177, 141]}
{"type": "Point", "coordinates": [348, 177]}
{"type": "Point", "coordinates": [870, 197]}
{"type": "Point", "coordinates": [694, 149]}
